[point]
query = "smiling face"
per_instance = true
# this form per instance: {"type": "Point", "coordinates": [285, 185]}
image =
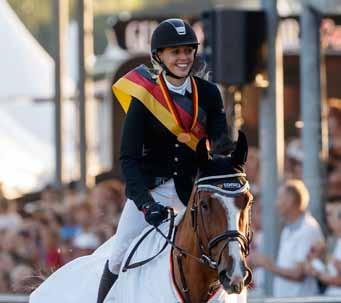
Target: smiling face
{"type": "Point", "coordinates": [179, 60]}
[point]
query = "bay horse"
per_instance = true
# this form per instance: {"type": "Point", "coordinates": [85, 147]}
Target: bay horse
{"type": "Point", "coordinates": [207, 251]}
{"type": "Point", "coordinates": [215, 228]}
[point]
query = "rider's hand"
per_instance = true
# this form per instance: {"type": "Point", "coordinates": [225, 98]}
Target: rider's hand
{"type": "Point", "coordinates": [154, 213]}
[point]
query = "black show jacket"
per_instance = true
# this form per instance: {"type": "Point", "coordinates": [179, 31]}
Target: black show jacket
{"type": "Point", "coordinates": [149, 150]}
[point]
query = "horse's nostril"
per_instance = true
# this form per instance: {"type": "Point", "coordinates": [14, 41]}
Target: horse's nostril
{"type": "Point", "coordinates": [237, 284]}
{"type": "Point", "coordinates": [222, 276]}
{"type": "Point", "coordinates": [237, 288]}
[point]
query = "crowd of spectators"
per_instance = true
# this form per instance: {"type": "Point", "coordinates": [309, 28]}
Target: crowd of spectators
{"type": "Point", "coordinates": [308, 262]}
{"type": "Point", "coordinates": [38, 237]}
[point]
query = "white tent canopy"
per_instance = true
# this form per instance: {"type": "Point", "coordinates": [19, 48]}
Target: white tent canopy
{"type": "Point", "coordinates": [27, 71]}
{"type": "Point", "coordinates": [24, 159]}
{"type": "Point", "coordinates": [27, 127]}
{"type": "Point", "coordinates": [26, 145]}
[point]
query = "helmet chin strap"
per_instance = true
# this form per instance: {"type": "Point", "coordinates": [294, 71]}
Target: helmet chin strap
{"type": "Point", "coordinates": [166, 69]}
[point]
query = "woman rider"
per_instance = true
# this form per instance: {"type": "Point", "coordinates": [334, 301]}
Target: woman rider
{"type": "Point", "coordinates": [167, 114]}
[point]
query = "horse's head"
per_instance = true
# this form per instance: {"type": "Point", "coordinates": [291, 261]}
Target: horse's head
{"type": "Point", "coordinates": [220, 214]}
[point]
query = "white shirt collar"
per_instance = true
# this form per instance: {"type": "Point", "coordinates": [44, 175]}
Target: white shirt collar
{"type": "Point", "coordinates": [186, 86]}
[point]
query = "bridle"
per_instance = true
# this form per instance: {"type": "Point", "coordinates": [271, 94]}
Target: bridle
{"type": "Point", "coordinates": [205, 185]}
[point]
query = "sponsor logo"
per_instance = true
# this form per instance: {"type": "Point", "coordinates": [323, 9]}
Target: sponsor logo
{"type": "Point", "coordinates": [232, 185]}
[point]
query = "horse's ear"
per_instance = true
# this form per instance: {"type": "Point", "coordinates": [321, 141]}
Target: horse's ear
{"type": "Point", "coordinates": [203, 151]}
{"type": "Point", "coordinates": [239, 155]}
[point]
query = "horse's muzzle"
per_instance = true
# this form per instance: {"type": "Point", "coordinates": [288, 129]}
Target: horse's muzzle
{"type": "Point", "coordinates": [231, 286]}
{"type": "Point", "coordinates": [234, 284]}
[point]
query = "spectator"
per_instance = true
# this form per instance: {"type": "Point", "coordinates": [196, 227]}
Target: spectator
{"type": "Point", "coordinates": [84, 216]}
{"type": "Point", "coordinates": [85, 244]}
{"type": "Point", "coordinates": [71, 195]}
{"type": "Point", "coordinates": [330, 275]}
{"type": "Point", "coordinates": [9, 217]}
{"type": "Point", "coordinates": [50, 240]}
{"type": "Point", "coordinates": [255, 248]}
{"type": "Point", "coordinates": [334, 180]}
{"type": "Point", "coordinates": [334, 123]}
{"type": "Point", "coordinates": [293, 160]}
{"type": "Point", "coordinates": [252, 169]}
{"type": "Point", "coordinates": [6, 262]}
{"type": "Point", "coordinates": [108, 198]}
{"type": "Point", "coordinates": [299, 234]}
{"type": "Point", "coordinates": [50, 198]}
{"type": "Point", "coordinates": [4, 282]}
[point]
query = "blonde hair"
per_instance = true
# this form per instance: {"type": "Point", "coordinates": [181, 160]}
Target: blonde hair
{"type": "Point", "coordinates": [297, 188]}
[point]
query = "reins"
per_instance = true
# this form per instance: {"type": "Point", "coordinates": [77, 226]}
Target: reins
{"type": "Point", "coordinates": [127, 264]}
{"type": "Point", "coordinates": [204, 260]}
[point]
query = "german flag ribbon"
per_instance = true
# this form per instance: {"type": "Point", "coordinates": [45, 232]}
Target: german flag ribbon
{"type": "Point", "coordinates": [141, 84]}
{"type": "Point", "coordinates": [171, 105]}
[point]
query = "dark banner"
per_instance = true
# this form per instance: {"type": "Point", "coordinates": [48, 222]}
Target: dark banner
{"type": "Point", "coordinates": [135, 33]}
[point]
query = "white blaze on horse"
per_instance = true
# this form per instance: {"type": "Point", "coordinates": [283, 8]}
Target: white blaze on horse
{"type": "Point", "coordinates": [201, 259]}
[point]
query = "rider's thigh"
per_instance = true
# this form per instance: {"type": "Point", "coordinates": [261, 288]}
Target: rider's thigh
{"type": "Point", "coordinates": [131, 224]}
{"type": "Point", "coordinates": [167, 196]}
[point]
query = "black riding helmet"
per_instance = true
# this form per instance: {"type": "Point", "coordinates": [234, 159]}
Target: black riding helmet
{"type": "Point", "coordinates": [172, 33]}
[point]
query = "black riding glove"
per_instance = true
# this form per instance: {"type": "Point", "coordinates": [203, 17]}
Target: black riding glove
{"type": "Point", "coordinates": [154, 213]}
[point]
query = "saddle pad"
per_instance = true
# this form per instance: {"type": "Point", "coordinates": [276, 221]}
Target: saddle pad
{"type": "Point", "coordinates": [153, 281]}
{"type": "Point", "coordinates": [78, 281]}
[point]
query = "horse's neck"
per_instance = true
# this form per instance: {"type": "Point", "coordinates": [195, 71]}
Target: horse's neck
{"type": "Point", "coordinates": [198, 277]}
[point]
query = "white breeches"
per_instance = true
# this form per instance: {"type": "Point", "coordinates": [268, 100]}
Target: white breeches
{"type": "Point", "coordinates": [132, 222]}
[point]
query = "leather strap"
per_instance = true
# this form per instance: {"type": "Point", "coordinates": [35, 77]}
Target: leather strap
{"type": "Point", "coordinates": [127, 264]}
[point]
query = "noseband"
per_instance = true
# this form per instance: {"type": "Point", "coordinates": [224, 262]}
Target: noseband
{"type": "Point", "coordinates": [218, 185]}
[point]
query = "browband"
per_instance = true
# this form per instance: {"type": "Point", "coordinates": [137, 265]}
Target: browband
{"type": "Point", "coordinates": [217, 189]}
{"type": "Point", "coordinates": [219, 177]}
{"type": "Point", "coordinates": [224, 187]}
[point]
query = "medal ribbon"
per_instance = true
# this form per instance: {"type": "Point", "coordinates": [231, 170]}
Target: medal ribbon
{"type": "Point", "coordinates": [171, 105]}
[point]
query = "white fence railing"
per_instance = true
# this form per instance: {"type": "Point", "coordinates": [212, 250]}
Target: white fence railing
{"type": "Point", "coordinates": [9, 298]}
{"type": "Point", "coordinates": [321, 299]}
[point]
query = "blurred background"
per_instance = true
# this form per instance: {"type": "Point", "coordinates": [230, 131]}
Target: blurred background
{"type": "Point", "coordinates": [277, 64]}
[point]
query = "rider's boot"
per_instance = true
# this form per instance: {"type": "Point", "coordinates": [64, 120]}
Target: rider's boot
{"type": "Point", "coordinates": [107, 281]}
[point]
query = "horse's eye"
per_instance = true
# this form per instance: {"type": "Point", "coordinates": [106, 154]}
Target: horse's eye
{"type": "Point", "coordinates": [204, 204]}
